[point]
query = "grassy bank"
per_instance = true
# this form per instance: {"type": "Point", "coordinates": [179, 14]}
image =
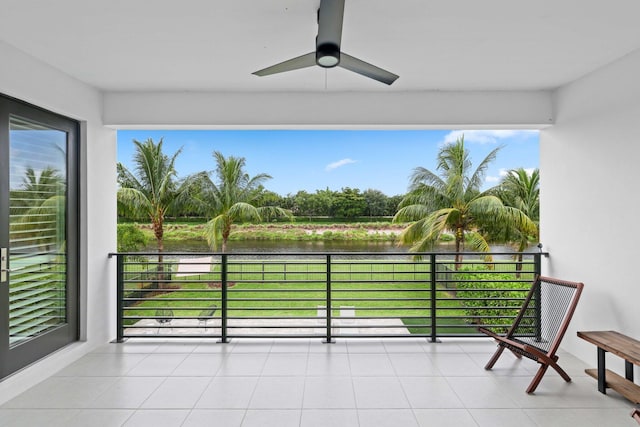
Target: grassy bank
{"type": "Point", "coordinates": [293, 231]}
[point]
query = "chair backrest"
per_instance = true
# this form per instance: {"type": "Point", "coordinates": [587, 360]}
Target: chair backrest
{"type": "Point", "coordinates": [546, 313]}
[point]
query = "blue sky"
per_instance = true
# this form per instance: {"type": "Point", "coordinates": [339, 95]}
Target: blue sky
{"type": "Point", "coordinates": [316, 159]}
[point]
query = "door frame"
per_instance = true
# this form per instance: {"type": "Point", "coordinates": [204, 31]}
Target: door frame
{"type": "Point", "coordinates": [24, 354]}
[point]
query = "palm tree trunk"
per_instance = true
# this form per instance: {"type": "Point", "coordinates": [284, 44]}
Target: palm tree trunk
{"type": "Point", "coordinates": [459, 247]}
{"type": "Point", "coordinates": [158, 231]}
{"type": "Point", "coordinates": [519, 266]}
{"type": "Point", "coordinates": [225, 236]}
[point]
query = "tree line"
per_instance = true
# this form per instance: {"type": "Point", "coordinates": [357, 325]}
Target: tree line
{"type": "Point", "coordinates": [346, 203]}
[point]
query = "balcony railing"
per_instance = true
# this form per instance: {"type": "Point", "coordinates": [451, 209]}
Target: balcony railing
{"type": "Point", "coordinates": [319, 295]}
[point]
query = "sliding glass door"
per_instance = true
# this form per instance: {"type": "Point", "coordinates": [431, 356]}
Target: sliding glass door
{"type": "Point", "coordinates": [38, 233]}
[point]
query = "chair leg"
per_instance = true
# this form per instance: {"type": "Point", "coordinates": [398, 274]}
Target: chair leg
{"type": "Point", "coordinates": [494, 358]}
{"type": "Point", "coordinates": [536, 380]}
{"type": "Point", "coordinates": [561, 371]}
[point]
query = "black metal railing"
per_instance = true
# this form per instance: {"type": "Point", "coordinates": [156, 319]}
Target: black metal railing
{"type": "Point", "coordinates": [319, 295]}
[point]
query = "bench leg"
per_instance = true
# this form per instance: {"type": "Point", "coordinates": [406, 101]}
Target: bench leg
{"type": "Point", "coordinates": [602, 379]}
{"type": "Point", "coordinates": [628, 370]}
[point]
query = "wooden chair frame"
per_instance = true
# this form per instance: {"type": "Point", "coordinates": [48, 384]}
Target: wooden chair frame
{"type": "Point", "coordinates": [545, 353]}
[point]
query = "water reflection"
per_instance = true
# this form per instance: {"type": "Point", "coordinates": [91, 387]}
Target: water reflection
{"type": "Point", "coordinates": [283, 246]}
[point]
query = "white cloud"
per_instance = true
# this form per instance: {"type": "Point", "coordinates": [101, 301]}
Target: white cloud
{"type": "Point", "coordinates": [339, 163]}
{"type": "Point", "coordinates": [486, 136]}
{"type": "Point", "coordinates": [504, 172]}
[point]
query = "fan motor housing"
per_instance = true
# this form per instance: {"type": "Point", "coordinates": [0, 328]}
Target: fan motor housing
{"type": "Point", "coordinates": [327, 55]}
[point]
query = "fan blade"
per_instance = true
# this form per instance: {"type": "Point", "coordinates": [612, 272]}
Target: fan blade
{"type": "Point", "coordinates": [368, 70]}
{"type": "Point", "coordinates": [304, 61]}
{"type": "Point", "coordinates": [330, 17]}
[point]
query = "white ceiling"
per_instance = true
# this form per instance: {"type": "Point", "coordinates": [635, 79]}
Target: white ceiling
{"type": "Point", "coordinates": [215, 45]}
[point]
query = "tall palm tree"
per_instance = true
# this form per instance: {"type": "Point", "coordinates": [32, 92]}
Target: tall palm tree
{"type": "Point", "coordinates": [521, 189]}
{"type": "Point", "coordinates": [453, 201]}
{"type": "Point", "coordinates": [152, 190]}
{"type": "Point", "coordinates": [230, 199]}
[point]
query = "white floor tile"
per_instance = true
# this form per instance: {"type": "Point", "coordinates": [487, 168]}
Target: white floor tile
{"type": "Point", "coordinates": [501, 418]}
{"type": "Point", "coordinates": [328, 365]}
{"type": "Point", "coordinates": [157, 365]}
{"type": "Point", "coordinates": [413, 346]}
{"type": "Point", "coordinates": [371, 365]}
{"type": "Point", "coordinates": [199, 364]}
{"type": "Point", "coordinates": [100, 418]}
{"type": "Point", "coordinates": [380, 392]}
{"type": "Point", "coordinates": [457, 365]}
{"type": "Point", "coordinates": [177, 393]}
{"type": "Point", "coordinates": [62, 392]}
{"type": "Point", "coordinates": [214, 347]}
{"type": "Point", "coordinates": [36, 417]}
{"type": "Point", "coordinates": [102, 365]}
{"type": "Point", "coordinates": [387, 418]}
{"type": "Point", "coordinates": [366, 346]}
{"type": "Point", "coordinates": [281, 364]}
{"type": "Point", "coordinates": [444, 418]}
{"type": "Point", "coordinates": [228, 393]}
{"type": "Point", "coordinates": [127, 392]}
{"type": "Point", "coordinates": [581, 417]}
{"type": "Point", "coordinates": [329, 418]}
{"type": "Point", "coordinates": [331, 392]}
{"type": "Point", "coordinates": [414, 364]}
{"type": "Point", "coordinates": [278, 393]}
{"type": "Point", "coordinates": [214, 418]}
{"type": "Point", "coordinates": [271, 418]}
{"type": "Point", "coordinates": [481, 392]}
{"type": "Point", "coordinates": [240, 364]}
{"type": "Point", "coordinates": [430, 392]}
{"type": "Point", "coordinates": [157, 418]}
{"type": "Point", "coordinates": [248, 345]}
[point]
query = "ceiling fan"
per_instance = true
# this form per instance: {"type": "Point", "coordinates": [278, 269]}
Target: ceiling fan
{"type": "Point", "coordinates": [328, 53]}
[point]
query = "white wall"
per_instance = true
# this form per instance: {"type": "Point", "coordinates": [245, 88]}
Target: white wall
{"type": "Point", "coordinates": [590, 199]}
{"type": "Point", "coordinates": [28, 79]}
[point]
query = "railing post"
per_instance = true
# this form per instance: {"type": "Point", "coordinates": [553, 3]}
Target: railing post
{"type": "Point", "coordinates": [223, 302]}
{"type": "Point", "coordinates": [434, 279]}
{"type": "Point", "coordinates": [329, 338]}
{"type": "Point", "coordinates": [537, 267]}
{"type": "Point", "coordinates": [119, 298]}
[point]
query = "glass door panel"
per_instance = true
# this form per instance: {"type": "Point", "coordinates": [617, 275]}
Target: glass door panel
{"type": "Point", "coordinates": [37, 231]}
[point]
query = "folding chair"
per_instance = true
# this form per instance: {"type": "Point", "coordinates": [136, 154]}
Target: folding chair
{"type": "Point", "coordinates": [207, 314]}
{"type": "Point", "coordinates": [540, 325]}
{"type": "Point", "coordinates": [164, 316]}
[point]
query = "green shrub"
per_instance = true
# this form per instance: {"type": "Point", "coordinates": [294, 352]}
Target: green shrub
{"type": "Point", "coordinates": [130, 238]}
{"type": "Point", "coordinates": [446, 237]}
{"type": "Point", "coordinates": [489, 298]}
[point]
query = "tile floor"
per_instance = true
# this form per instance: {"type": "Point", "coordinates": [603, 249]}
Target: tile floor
{"type": "Point", "coordinates": [304, 383]}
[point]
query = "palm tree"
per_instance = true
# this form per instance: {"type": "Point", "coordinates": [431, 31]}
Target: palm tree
{"type": "Point", "coordinates": [152, 190]}
{"type": "Point", "coordinates": [230, 199]}
{"type": "Point", "coordinates": [453, 201]}
{"type": "Point", "coordinates": [521, 189]}
{"type": "Point", "coordinates": [40, 200]}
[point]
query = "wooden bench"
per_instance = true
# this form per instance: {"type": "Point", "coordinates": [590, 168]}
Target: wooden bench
{"type": "Point", "coordinates": [622, 346]}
